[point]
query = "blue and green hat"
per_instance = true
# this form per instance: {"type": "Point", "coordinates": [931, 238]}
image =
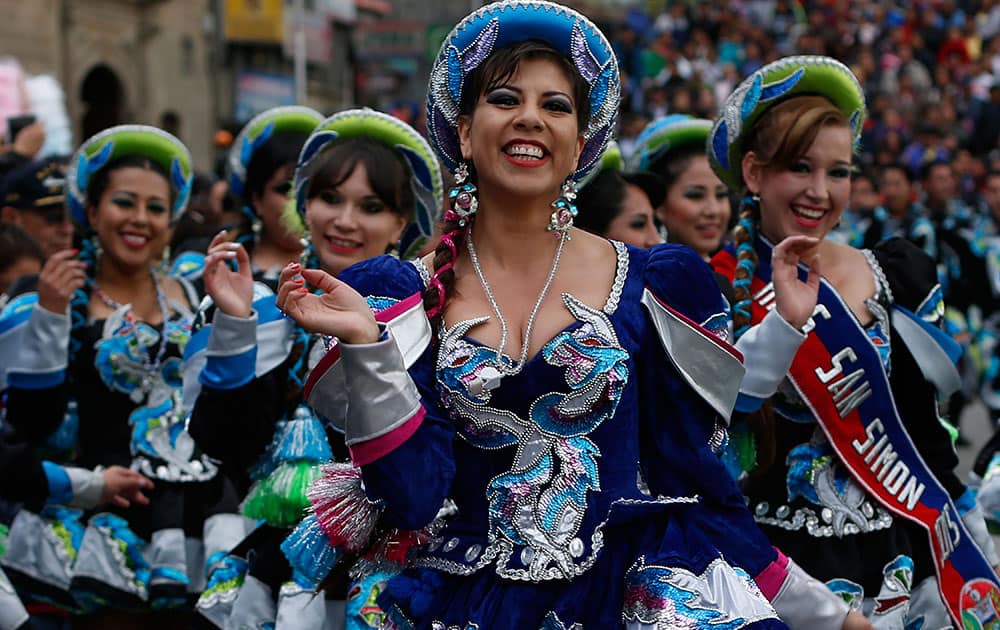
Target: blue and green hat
{"type": "Point", "coordinates": [417, 155]}
{"type": "Point", "coordinates": [256, 133]}
{"type": "Point", "coordinates": [112, 144]}
{"type": "Point", "coordinates": [510, 22]}
{"type": "Point", "coordinates": [667, 134]}
{"type": "Point", "coordinates": [776, 82]}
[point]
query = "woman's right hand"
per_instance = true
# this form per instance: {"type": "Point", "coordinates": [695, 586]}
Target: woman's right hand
{"type": "Point", "coordinates": [61, 276]}
{"type": "Point", "coordinates": [232, 291]}
{"type": "Point", "coordinates": [795, 300]}
{"type": "Point", "coordinates": [339, 311]}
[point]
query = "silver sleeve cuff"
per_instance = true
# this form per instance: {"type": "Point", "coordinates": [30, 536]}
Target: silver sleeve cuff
{"type": "Point", "coordinates": [46, 345]}
{"type": "Point", "coordinates": [768, 349]}
{"type": "Point", "coordinates": [232, 335]}
{"type": "Point", "coordinates": [976, 524]}
{"type": "Point", "coordinates": [380, 394]}
{"type": "Point", "coordinates": [803, 602]}
{"type": "Point", "coordinates": [87, 485]}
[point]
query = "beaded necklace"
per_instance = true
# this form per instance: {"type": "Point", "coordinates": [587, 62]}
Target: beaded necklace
{"type": "Point", "coordinates": [150, 368]}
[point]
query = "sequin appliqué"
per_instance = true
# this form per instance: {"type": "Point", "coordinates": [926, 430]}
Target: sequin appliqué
{"type": "Point", "coordinates": [660, 597]}
{"type": "Point", "coordinates": [539, 504]}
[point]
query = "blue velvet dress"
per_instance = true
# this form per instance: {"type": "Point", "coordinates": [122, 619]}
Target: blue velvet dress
{"type": "Point", "coordinates": [588, 485]}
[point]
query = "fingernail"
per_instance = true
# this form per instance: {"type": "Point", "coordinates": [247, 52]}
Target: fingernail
{"type": "Point", "coordinates": [294, 266]}
{"type": "Point", "coordinates": [298, 280]}
{"type": "Point", "coordinates": [302, 290]}
{"type": "Point", "coordinates": [229, 254]}
{"type": "Point", "coordinates": [233, 246]}
{"type": "Point", "coordinates": [74, 251]}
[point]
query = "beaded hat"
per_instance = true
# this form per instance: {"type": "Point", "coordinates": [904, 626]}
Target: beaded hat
{"type": "Point", "coordinates": [775, 82]}
{"type": "Point", "coordinates": [667, 134]}
{"type": "Point", "coordinates": [260, 129]}
{"type": "Point", "coordinates": [513, 21]}
{"type": "Point", "coordinates": [103, 148]}
{"type": "Point", "coordinates": [425, 173]}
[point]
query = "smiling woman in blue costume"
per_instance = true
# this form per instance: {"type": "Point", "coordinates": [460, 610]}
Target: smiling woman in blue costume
{"type": "Point", "coordinates": [541, 376]}
{"type": "Point", "coordinates": [102, 340]}
{"type": "Point", "coordinates": [854, 472]}
{"type": "Point", "coordinates": [361, 179]}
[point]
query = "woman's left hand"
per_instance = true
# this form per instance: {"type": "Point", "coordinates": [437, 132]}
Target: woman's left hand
{"type": "Point", "coordinates": [795, 300]}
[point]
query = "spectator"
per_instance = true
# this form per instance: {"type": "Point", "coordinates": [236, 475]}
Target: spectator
{"type": "Point", "coordinates": [33, 199]}
{"type": "Point", "coordinates": [20, 256]}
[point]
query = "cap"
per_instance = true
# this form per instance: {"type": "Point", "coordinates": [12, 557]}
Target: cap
{"type": "Point", "coordinates": [36, 184]}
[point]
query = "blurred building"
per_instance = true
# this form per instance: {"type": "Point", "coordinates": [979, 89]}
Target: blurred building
{"type": "Point", "coordinates": [144, 61]}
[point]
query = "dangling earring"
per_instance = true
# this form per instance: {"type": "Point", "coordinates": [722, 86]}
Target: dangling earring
{"type": "Point", "coordinates": [464, 202]}
{"type": "Point", "coordinates": [565, 210]}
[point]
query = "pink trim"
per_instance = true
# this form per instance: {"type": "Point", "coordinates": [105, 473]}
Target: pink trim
{"type": "Point", "coordinates": [772, 578]}
{"type": "Point", "coordinates": [376, 448]}
{"type": "Point", "coordinates": [399, 309]}
{"type": "Point", "coordinates": [698, 328]}
{"type": "Point", "coordinates": [333, 354]}
{"type": "Point", "coordinates": [324, 365]}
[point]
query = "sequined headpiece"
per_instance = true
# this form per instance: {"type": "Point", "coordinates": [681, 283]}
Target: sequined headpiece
{"type": "Point", "coordinates": [504, 23]}
{"type": "Point", "coordinates": [256, 133]}
{"type": "Point", "coordinates": [102, 149]}
{"type": "Point", "coordinates": [775, 82]}
{"type": "Point", "coordinates": [667, 134]}
{"type": "Point", "coordinates": [425, 173]}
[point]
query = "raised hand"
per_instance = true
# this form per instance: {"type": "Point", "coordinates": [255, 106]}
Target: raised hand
{"type": "Point", "coordinates": [61, 276]}
{"type": "Point", "coordinates": [123, 486]}
{"type": "Point", "coordinates": [339, 311]}
{"type": "Point", "coordinates": [794, 299]}
{"type": "Point", "coordinates": [231, 290]}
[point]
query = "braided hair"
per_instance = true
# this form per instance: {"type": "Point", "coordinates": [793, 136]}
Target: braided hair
{"type": "Point", "coordinates": [779, 138]}
{"type": "Point", "coordinates": [495, 71]}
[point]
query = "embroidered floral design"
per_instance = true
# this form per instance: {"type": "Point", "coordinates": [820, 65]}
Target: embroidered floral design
{"type": "Point", "coordinates": [540, 503]}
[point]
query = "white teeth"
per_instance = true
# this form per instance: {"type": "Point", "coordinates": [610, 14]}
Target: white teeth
{"type": "Point", "coordinates": [525, 150]}
{"type": "Point", "coordinates": [132, 239]}
{"type": "Point", "coordinates": [809, 213]}
{"type": "Point", "coordinates": [342, 243]}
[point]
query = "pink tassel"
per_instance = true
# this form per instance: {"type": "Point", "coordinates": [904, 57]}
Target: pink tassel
{"type": "Point", "coordinates": [342, 508]}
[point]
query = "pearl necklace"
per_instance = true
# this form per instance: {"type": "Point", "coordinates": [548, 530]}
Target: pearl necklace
{"type": "Point", "coordinates": [489, 375]}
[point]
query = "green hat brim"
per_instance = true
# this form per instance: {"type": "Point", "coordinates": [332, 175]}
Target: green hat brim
{"type": "Point", "coordinates": [115, 143]}
{"type": "Point", "coordinates": [772, 84]}
{"type": "Point", "coordinates": [256, 133]}
{"type": "Point", "coordinates": [667, 134]}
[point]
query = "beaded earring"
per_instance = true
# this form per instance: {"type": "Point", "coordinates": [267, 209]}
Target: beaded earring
{"type": "Point", "coordinates": [464, 202]}
{"type": "Point", "coordinates": [564, 210]}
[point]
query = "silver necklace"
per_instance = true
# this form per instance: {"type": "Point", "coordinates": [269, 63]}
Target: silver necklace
{"type": "Point", "coordinates": [489, 375]}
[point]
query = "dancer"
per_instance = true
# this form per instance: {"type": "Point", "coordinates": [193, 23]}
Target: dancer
{"type": "Point", "coordinates": [854, 471]}
{"type": "Point", "coordinates": [96, 342]}
{"type": "Point", "coordinates": [542, 377]}
{"type": "Point", "coordinates": [695, 211]}
{"type": "Point", "coordinates": [260, 166]}
{"type": "Point", "coordinates": [362, 178]}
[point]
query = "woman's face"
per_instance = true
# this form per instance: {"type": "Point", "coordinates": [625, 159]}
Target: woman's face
{"type": "Point", "coordinates": [270, 205]}
{"type": "Point", "coordinates": [350, 223]}
{"type": "Point", "coordinates": [132, 217]}
{"type": "Point", "coordinates": [523, 136]}
{"type": "Point", "coordinates": [634, 225]}
{"type": "Point", "coordinates": [696, 210]}
{"type": "Point", "coordinates": [810, 196]}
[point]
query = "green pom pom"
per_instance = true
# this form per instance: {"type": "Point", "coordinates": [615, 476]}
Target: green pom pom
{"type": "Point", "coordinates": [280, 498]}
